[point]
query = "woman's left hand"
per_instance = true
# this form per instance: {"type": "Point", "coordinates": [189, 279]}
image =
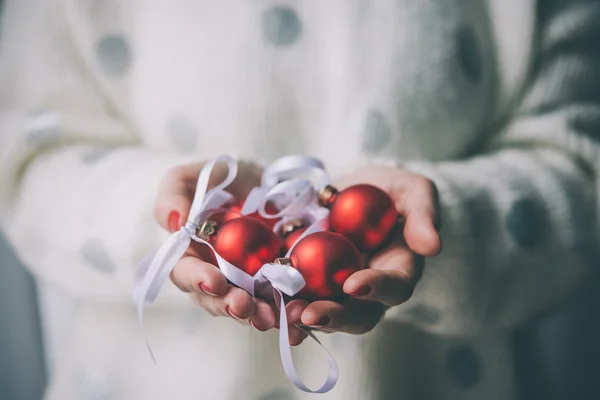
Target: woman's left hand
{"type": "Point", "coordinates": [393, 272]}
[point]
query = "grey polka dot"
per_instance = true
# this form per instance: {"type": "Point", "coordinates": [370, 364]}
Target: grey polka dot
{"type": "Point", "coordinates": [468, 54]}
{"type": "Point", "coordinates": [182, 133]}
{"type": "Point", "coordinates": [92, 384]}
{"type": "Point", "coordinates": [95, 155]}
{"type": "Point", "coordinates": [281, 26]}
{"type": "Point", "coordinates": [377, 132]}
{"type": "Point", "coordinates": [426, 314]}
{"type": "Point", "coordinates": [95, 253]}
{"type": "Point", "coordinates": [42, 128]}
{"type": "Point", "coordinates": [193, 319]}
{"type": "Point", "coordinates": [114, 55]}
{"type": "Point", "coordinates": [526, 222]}
{"type": "Point", "coordinates": [587, 122]}
{"type": "Point", "coordinates": [463, 367]}
{"type": "Point", "coordinates": [277, 394]}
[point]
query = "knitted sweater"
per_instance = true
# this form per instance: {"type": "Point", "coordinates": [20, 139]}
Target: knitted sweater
{"type": "Point", "coordinates": [496, 101]}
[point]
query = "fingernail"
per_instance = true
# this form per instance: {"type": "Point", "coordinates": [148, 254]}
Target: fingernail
{"type": "Point", "coordinates": [206, 289]}
{"type": "Point", "coordinates": [361, 291]}
{"type": "Point", "coordinates": [260, 330]}
{"type": "Point", "coordinates": [235, 316]}
{"type": "Point", "coordinates": [173, 221]}
{"type": "Point", "coordinates": [321, 322]}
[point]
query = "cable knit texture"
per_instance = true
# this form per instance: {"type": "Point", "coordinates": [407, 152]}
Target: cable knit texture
{"type": "Point", "coordinates": [497, 102]}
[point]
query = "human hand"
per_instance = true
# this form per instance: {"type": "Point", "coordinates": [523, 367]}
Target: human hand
{"type": "Point", "coordinates": [393, 272]}
{"type": "Point", "coordinates": [193, 274]}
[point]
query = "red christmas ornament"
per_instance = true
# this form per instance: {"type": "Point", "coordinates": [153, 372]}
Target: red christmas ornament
{"type": "Point", "coordinates": [234, 211]}
{"type": "Point", "coordinates": [203, 252]}
{"type": "Point", "coordinates": [245, 242]}
{"type": "Point", "coordinates": [363, 213]}
{"type": "Point", "coordinates": [325, 260]}
{"type": "Point", "coordinates": [291, 231]}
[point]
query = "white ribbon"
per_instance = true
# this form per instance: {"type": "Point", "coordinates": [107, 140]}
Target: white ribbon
{"type": "Point", "coordinates": [155, 269]}
{"type": "Point", "coordinates": [281, 170]}
{"type": "Point", "coordinates": [278, 276]}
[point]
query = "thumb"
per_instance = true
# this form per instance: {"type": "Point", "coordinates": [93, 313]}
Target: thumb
{"type": "Point", "coordinates": [175, 195]}
{"type": "Point", "coordinates": [420, 234]}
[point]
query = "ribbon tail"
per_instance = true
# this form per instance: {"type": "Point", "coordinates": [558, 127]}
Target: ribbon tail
{"type": "Point", "coordinates": [286, 354]}
{"type": "Point", "coordinates": [157, 273]}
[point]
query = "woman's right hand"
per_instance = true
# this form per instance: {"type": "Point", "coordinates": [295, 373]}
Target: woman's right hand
{"type": "Point", "coordinates": [204, 281]}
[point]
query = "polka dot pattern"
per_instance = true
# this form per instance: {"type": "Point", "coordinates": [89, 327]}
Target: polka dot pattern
{"type": "Point", "coordinates": [588, 123]}
{"type": "Point", "coordinates": [95, 155]}
{"type": "Point", "coordinates": [526, 223]}
{"type": "Point", "coordinates": [95, 254]}
{"type": "Point", "coordinates": [425, 314]}
{"type": "Point", "coordinates": [114, 55]}
{"type": "Point", "coordinates": [463, 367]}
{"type": "Point", "coordinates": [42, 128]}
{"type": "Point", "coordinates": [469, 54]}
{"type": "Point", "coordinates": [377, 132]}
{"type": "Point", "coordinates": [281, 26]}
{"type": "Point", "coordinates": [277, 394]}
{"type": "Point", "coordinates": [182, 133]}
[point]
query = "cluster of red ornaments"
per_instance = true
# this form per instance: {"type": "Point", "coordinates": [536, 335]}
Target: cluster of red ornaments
{"type": "Point", "coordinates": [361, 219]}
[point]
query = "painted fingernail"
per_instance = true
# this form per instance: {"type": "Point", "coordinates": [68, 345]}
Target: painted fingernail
{"type": "Point", "coordinates": [361, 291]}
{"type": "Point", "coordinates": [206, 289]}
{"type": "Point", "coordinates": [258, 329]}
{"type": "Point", "coordinates": [173, 221]}
{"type": "Point", "coordinates": [321, 322]}
{"type": "Point", "coordinates": [235, 316]}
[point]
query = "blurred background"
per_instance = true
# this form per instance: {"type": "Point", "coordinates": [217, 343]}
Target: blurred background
{"type": "Point", "coordinates": [558, 356]}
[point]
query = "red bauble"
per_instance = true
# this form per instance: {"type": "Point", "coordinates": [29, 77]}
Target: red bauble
{"type": "Point", "coordinates": [325, 260]}
{"type": "Point", "coordinates": [363, 213]}
{"type": "Point", "coordinates": [245, 242]}
{"type": "Point", "coordinates": [234, 211]}
{"type": "Point", "coordinates": [291, 238]}
{"type": "Point", "coordinates": [203, 252]}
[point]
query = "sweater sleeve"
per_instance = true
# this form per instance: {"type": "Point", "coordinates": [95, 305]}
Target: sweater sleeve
{"type": "Point", "coordinates": [520, 221]}
{"type": "Point", "coordinates": [77, 182]}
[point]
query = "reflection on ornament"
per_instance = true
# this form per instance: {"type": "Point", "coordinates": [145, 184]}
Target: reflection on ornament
{"type": "Point", "coordinates": [325, 260]}
{"type": "Point", "coordinates": [245, 242]}
{"type": "Point", "coordinates": [363, 213]}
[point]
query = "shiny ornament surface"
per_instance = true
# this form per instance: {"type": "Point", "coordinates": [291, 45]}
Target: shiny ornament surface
{"type": "Point", "coordinates": [234, 211]}
{"type": "Point", "coordinates": [246, 242]}
{"type": "Point", "coordinates": [291, 238]}
{"type": "Point", "coordinates": [364, 214]}
{"type": "Point", "coordinates": [325, 260]}
{"type": "Point", "coordinates": [203, 252]}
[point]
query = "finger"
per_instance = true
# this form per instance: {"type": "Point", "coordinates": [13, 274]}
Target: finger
{"type": "Point", "coordinates": [354, 316]}
{"type": "Point", "coordinates": [175, 196]}
{"type": "Point", "coordinates": [192, 274]}
{"type": "Point", "coordinates": [264, 317]}
{"type": "Point", "coordinates": [296, 335]}
{"type": "Point", "coordinates": [384, 287]}
{"type": "Point", "coordinates": [236, 303]}
{"type": "Point", "coordinates": [294, 310]}
{"type": "Point", "coordinates": [391, 278]}
{"type": "Point", "coordinates": [417, 201]}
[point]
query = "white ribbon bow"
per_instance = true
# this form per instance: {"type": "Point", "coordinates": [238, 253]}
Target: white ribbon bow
{"type": "Point", "coordinates": [281, 170]}
{"type": "Point", "coordinates": [155, 269]}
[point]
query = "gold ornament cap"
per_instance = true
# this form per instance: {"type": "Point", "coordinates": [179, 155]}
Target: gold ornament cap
{"type": "Point", "coordinates": [206, 230]}
{"type": "Point", "coordinates": [291, 226]}
{"type": "Point", "coordinates": [327, 195]}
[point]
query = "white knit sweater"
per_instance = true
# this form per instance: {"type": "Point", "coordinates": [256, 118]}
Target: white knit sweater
{"type": "Point", "coordinates": [496, 101]}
